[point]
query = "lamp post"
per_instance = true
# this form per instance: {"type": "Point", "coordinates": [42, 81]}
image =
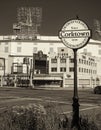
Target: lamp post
{"type": "Point", "coordinates": [75, 35]}
{"type": "Point", "coordinates": [75, 121]}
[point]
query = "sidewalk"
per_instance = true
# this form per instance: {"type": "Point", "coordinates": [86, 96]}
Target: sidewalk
{"type": "Point", "coordinates": [47, 88]}
{"type": "Point", "coordinates": [61, 88]}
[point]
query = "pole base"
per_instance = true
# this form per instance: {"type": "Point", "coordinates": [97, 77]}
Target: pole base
{"type": "Point", "coordinates": [75, 120]}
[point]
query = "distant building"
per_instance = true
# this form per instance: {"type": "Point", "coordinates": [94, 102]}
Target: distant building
{"type": "Point", "coordinates": [89, 73]}
{"type": "Point", "coordinates": [40, 63]}
{"type": "Point", "coordinates": [28, 22]}
{"type": "Point", "coordinates": [18, 55]}
{"type": "Point", "coordinates": [15, 50]}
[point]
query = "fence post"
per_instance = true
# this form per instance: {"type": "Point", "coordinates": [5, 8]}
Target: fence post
{"type": "Point", "coordinates": [31, 76]}
{"type": "Point", "coordinates": [1, 84]}
{"type": "Point", "coordinates": [15, 81]}
{"type": "Point", "coordinates": [64, 78]}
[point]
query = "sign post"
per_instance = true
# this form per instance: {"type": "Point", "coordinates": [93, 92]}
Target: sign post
{"type": "Point", "coordinates": [75, 35]}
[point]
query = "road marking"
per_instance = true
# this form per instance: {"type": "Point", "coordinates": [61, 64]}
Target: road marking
{"type": "Point", "coordinates": [84, 109]}
{"type": "Point", "coordinates": [40, 99]}
{"type": "Point", "coordinates": [89, 106]}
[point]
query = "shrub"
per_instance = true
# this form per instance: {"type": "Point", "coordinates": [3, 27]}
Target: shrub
{"type": "Point", "coordinates": [23, 118]}
{"type": "Point", "coordinates": [86, 124]}
{"type": "Point", "coordinates": [38, 117]}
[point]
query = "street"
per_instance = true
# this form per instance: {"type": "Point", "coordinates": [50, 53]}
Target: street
{"type": "Point", "coordinates": [61, 98]}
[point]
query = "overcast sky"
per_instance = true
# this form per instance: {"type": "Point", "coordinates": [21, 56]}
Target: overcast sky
{"type": "Point", "coordinates": [55, 13]}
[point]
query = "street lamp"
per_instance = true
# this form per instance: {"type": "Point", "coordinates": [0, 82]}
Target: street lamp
{"type": "Point", "coordinates": [75, 35]}
{"type": "Point", "coordinates": [75, 121]}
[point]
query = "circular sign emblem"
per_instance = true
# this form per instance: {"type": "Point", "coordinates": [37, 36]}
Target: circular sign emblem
{"type": "Point", "coordinates": [75, 34]}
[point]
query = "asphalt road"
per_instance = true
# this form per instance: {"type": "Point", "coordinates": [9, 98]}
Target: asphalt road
{"type": "Point", "coordinates": [22, 96]}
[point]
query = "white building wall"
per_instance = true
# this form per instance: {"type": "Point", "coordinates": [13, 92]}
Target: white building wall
{"type": "Point", "coordinates": [43, 43]}
{"type": "Point", "coordinates": [89, 74]}
{"type": "Point", "coordinates": [27, 48]}
{"type": "Point", "coordinates": [5, 56]}
{"type": "Point", "coordinates": [94, 50]}
{"type": "Point", "coordinates": [99, 69]}
{"type": "Point", "coordinates": [10, 61]}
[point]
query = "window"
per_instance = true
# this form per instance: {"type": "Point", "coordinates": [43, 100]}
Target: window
{"type": "Point", "coordinates": [34, 49]}
{"type": "Point", "coordinates": [34, 43]}
{"type": "Point", "coordinates": [71, 69]}
{"type": "Point", "coordinates": [62, 50]}
{"type": "Point", "coordinates": [18, 49]}
{"type": "Point", "coordinates": [19, 43]}
{"type": "Point", "coordinates": [6, 49]}
{"type": "Point", "coordinates": [85, 50]}
{"type": "Point", "coordinates": [99, 52]}
{"type": "Point", "coordinates": [79, 69]}
{"type": "Point", "coordinates": [71, 60]}
{"type": "Point", "coordinates": [79, 60]}
{"type": "Point", "coordinates": [51, 49]}
{"type": "Point", "coordinates": [19, 69]}
{"type": "Point", "coordinates": [14, 68]}
{"type": "Point", "coordinates": [54, 69]}
{"type": "Point", "coordinates": [25, 60]}
{"type": "Point", "coordinates": [62, 69]}
{"type": "Point", "coordinates": [2, 64]}
{"type": "Point", "coordinates": [6, 43]}
{"type": "Point", "coordinates": [95, 64]}
{"type": "Point", "coordinates": [51, 43]}
{"type": "Point", "coordinates": [53, 60]}
{"type": "Point", "coordinates": [84, 70]}
{"type": "Point", "coordinates": [62, 60]}
{"type": "Point", "coordinates": [84, 61]}
{"type": "Point", "coordinates": [91, 71]}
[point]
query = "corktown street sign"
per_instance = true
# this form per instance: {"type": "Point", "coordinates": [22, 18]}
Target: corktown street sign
{"type": "Point", "coordinates": [75, 34]}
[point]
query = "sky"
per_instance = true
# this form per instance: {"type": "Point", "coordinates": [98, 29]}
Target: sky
{"type": "Point", "coordinates": [55, 13]}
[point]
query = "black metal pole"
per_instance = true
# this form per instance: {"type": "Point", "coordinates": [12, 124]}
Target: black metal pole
{"type": "Point", "coordinates": [75, 120]}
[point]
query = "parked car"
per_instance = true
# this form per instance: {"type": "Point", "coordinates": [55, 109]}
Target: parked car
{"type": "Point", "coordinates": [97, 90]}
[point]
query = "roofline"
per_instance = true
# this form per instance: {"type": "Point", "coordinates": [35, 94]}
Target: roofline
{"type": "Point", "coordinates": [39, 41]}
{"type": "Point", "coordinates": [20, 56]}
{"type": "Point", "coordinates": [91, 41]}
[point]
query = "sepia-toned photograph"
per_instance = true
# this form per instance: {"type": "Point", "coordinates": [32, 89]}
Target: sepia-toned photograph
{"type": "Point", "coordinates": [50, 65]}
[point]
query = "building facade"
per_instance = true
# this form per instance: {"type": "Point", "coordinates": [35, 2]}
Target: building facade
{"type": "Point", "coordinates": [89, 73]}
{"type": "Point", "coordinates": [61, 61]}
